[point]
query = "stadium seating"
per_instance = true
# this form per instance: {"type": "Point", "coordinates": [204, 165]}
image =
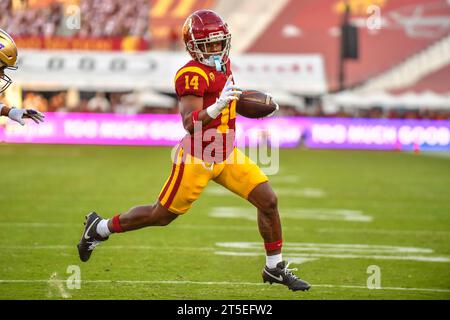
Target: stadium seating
{"type": "Point", "coordinates": [437, 81]}
{"type": "Point", "coordinates": [247, 21]}
{"type": "Point", "coordinates": [46, 18]}
{"type": "Point", "coordinates": [403, 33]}
{"type": "Point", "coordinates": [413, 69]}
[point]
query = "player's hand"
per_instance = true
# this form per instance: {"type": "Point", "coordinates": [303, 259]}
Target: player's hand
{"type": "Point", "coordinates": [277, 106]}
{"type": "Point", "coordinates": [19, 114]}
{"type": "Point", "coordinates": [229, 93]}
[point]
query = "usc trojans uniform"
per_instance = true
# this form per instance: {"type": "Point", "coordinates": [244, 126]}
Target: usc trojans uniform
{"type": "Point", "coordinates": [206, 154]}
{"type": "Point", "coordinates": [210, 153]}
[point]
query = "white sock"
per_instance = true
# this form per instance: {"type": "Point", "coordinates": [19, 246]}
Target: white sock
{"type": "Point", "coordinates": [272, 261]}
{"type": "Point", "coordinates": [102, 228]}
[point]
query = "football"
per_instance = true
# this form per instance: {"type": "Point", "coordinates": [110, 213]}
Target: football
{"type": "Point", "coordinates": [255, 104]}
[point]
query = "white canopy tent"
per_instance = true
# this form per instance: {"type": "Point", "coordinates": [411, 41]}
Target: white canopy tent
{"type": "Point", "coordinates": [111, 71]}
{"type": "Point", "coordinates": [287, 99]}
{"type": "Point", "coordinates": [151, 98]}
{"type": "Point", "coordinates": [407, 100]}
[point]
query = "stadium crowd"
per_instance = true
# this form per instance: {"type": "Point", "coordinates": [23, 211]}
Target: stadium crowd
{"type": "Point", "coordinates": [30, 22]}
{"type": "Point", "coordinates": [117, 18]}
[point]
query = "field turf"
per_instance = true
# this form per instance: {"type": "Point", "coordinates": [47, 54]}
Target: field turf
{"type": "Point", "coordinates": [342, 212]}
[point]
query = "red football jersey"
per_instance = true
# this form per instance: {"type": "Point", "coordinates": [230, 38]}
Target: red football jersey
{"type": "Point", "coordinates": [217, 138]}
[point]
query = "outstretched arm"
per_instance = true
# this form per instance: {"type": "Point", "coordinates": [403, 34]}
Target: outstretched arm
{"type": "Point", "coordinates": [19, 114]}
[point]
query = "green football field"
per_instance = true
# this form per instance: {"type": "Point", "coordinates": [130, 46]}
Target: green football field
{"type": "Point", "coordinates": [357, 225]}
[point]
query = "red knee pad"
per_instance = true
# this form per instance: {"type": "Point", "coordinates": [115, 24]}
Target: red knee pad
{"type": "Point", "coordinates": [116, 224]}
{"type": "Point", "coordinates": [271, 246]}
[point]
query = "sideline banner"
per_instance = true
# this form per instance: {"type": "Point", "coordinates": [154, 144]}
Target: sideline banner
{"type": "Point", "coordinates": [287, 132]}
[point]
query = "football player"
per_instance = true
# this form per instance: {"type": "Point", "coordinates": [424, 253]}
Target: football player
{"type": "Point", "coordinates": [207, 99]}
{"type": "Point", "coordinates": [8, 58]}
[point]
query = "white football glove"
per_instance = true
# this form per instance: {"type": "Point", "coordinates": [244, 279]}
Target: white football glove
{"type": "Point", "coordinates": [229, 93]}
{"type": "Point", "coordinates": [19, 114]}
{"type": "Point", "coordinates": [277, 108]}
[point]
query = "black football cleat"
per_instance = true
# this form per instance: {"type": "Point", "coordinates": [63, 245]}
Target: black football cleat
{"type": "Point", "coordinates": [90, 238]}
{"type": "Point", "coordinates": [281, 274]}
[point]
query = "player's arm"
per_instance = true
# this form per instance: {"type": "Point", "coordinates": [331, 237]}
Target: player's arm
{"type": "Point", "coordinates": [191, 106]}
{"type": "Point", "coordinates": [19, 114]}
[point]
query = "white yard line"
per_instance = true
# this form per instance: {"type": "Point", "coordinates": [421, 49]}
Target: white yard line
{"type": "Point", "coordinates": [296, 192]}
{"type": "Point", "coordinates": [314, 256]}
{"type": "Point", "coordinates": [382, 231]}
{"type": "Point", "coordinates": [435, 154]}
{"type": "Point", "coordinates": [107, 247]}
{"type": "Point", "coordinates": [173, 282]}
{"type": "Point", "coordinates": [304, 250]}
{"type": "Point", "coordinates": [80, 226]}
{"type": "Point", "coordinates": [330, 247]}
{"type": "Point", "coordinates": [39, 224]}
{"type": "Point", "coordinates": [248, 213]}
{"type": "Point", "coordinates": [289, 252]}
{"type": "Point", "coordinates": [234, 227]}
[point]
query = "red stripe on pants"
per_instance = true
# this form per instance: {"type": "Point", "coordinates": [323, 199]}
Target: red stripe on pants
{"type": "Point", "coordinates": [175, 187]}
{"type": "Point", "coordinates": [163, 193]}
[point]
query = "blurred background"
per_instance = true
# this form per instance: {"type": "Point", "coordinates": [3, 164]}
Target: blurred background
{"type": "Point", "coordinates": [362, 59]}
{"type": "Point", "coordinates": [359, 74]}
